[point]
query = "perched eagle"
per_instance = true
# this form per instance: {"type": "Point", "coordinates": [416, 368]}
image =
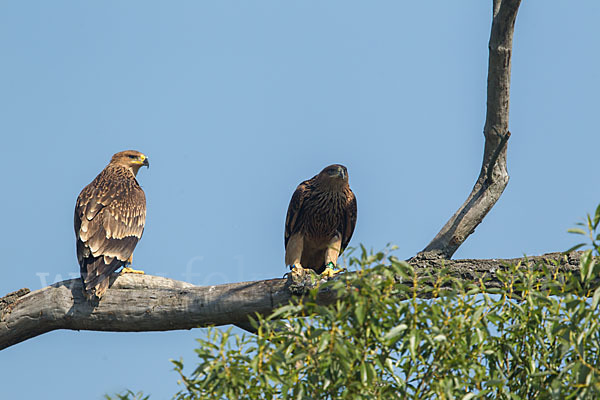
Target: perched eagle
{"type": "Point", "coordinates": [109, 221]}
{"type": "Point", "coordinates": [320, 220]}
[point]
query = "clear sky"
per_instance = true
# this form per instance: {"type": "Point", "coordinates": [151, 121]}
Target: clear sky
{"type": "Point", "coordinates": [235, 103]}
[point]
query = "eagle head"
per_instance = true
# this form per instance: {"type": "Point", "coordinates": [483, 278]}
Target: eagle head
{"type": "Point", "coordinates": [131, 159]}
{"type": "Point", "coordinates": [335, 175]}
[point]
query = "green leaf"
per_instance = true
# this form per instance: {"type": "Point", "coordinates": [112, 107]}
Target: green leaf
{"type": "Point", "coordinates": [596, 298]}
{"type": "Point", "coordinates": [412, 344]}
{"type": "Point", "coordinates": [359, 311]}
{"type": "Point", "coordinates": [395, 332]}
{"type": "Point", "coordinates": [363, 374]}
{"type": "Point", "coordinates": [597, 216]}
{"type": "Point", "coordinates": [439, 338]}
{"type": "Point", "coordinates": [584, 265]}
{"type": "Point", "coordinates": [576, 247]}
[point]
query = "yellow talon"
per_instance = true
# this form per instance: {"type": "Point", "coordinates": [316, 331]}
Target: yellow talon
{"type": "Point", "coordinates": [127, 270]}
{"type": "Point", "coordinates": [297, 268]}
{"type": "Point", "coordinates": [330, 272]}
{"type": "Point", "coordinates": [297, 271]}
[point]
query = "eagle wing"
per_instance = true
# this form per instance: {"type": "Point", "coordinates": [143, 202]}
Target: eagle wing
{"type": "Point", "coordinates": [295, 211]}
{"type": "Point", "coordinates": [109, 221]}
{"type": "Point", "coordinates": [349, 220]}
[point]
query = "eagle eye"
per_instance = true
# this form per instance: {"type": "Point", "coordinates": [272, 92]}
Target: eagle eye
{"type": "Point", "coordinates": [132, 156]}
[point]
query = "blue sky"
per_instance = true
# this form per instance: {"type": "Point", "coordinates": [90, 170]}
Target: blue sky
{"type": "Point", "coordinates": [235, 103]}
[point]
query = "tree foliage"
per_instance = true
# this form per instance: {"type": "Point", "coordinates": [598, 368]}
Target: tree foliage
{"type": "Point", "coordinates": [537, 337]}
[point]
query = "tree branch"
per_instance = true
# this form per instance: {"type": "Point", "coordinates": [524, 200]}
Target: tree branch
{"type": "Point", "coordinates": [137, 303]}
{"type": "Point", "coordinates": [147, 303]}
{"type": "Point", "coordinates": [493, 177]}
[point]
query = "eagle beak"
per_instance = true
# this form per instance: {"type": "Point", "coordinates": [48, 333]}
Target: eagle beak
{"type": "Point", "coordinates": [146, 162]}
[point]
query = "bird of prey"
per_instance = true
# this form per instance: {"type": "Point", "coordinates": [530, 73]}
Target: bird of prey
{"type": "Point", "coordinates": [109, 221]}
{"type": "Point", "coordinates": [320, 221]}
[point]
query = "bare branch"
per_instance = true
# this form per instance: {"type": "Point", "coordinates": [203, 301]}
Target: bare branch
{"type": "Point", "coordinates": [137, 303]}
{"type": "Point", "coordinates": [493, 177]}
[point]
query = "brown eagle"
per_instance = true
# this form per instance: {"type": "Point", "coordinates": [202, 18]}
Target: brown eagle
{"type": "Point", "coordinates": [109, 221]}
{"type": "Point", "coordinates": [320, 220]}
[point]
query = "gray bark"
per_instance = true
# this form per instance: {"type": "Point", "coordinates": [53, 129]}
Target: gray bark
{"type": "Point", "coordinates": [137, 303]}
{"type": "Point", "coordinates": [493, 177]}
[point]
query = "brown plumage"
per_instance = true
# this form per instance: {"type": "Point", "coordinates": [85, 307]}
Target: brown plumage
{"type": "Point", "coordinates": [110, 215]}
{"type": "Point", "coordinates": [320, 220]}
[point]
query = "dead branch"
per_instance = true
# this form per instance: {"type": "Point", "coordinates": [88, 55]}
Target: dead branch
{"type": "Point", "coordinates": [493, 177]}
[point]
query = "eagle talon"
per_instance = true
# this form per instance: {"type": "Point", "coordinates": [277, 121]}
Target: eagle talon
{"type": "Point", "coordinates": [298, 279]}
{"type": "Point", "coordinates": [127, 270]}
{"type": "Point", "coordinates": [330, 271]}
{"type": "Point", "coordinates": [297, 272]}
{"type": "Point", "coordinates": [296, 267]}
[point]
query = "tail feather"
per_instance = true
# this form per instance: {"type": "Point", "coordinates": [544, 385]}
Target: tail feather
{"type": "Point", "coordinates": [95, 274]}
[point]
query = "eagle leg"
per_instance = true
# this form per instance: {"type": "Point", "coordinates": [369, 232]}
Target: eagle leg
{"type": "Point", "coordinates": [293, 252]}
{"type": "Point", "coordinates": [128, 270]}
{"type": "Point", "coordinates": [331, 256]}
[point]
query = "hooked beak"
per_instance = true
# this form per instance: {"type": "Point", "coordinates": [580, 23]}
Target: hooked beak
{"type": "Point", "coordinates": [337, 173]}
{"type": "Point", "coordinates": [146, 162]}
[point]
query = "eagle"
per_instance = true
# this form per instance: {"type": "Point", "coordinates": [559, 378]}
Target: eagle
{"type": "Point", "coordinates": [320, 221]}
{"type": "Point", "coordinates": [110, 215]}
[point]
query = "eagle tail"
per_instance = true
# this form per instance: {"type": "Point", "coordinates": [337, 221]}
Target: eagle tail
{"type": "Point", "coordinates": [95, 274]}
